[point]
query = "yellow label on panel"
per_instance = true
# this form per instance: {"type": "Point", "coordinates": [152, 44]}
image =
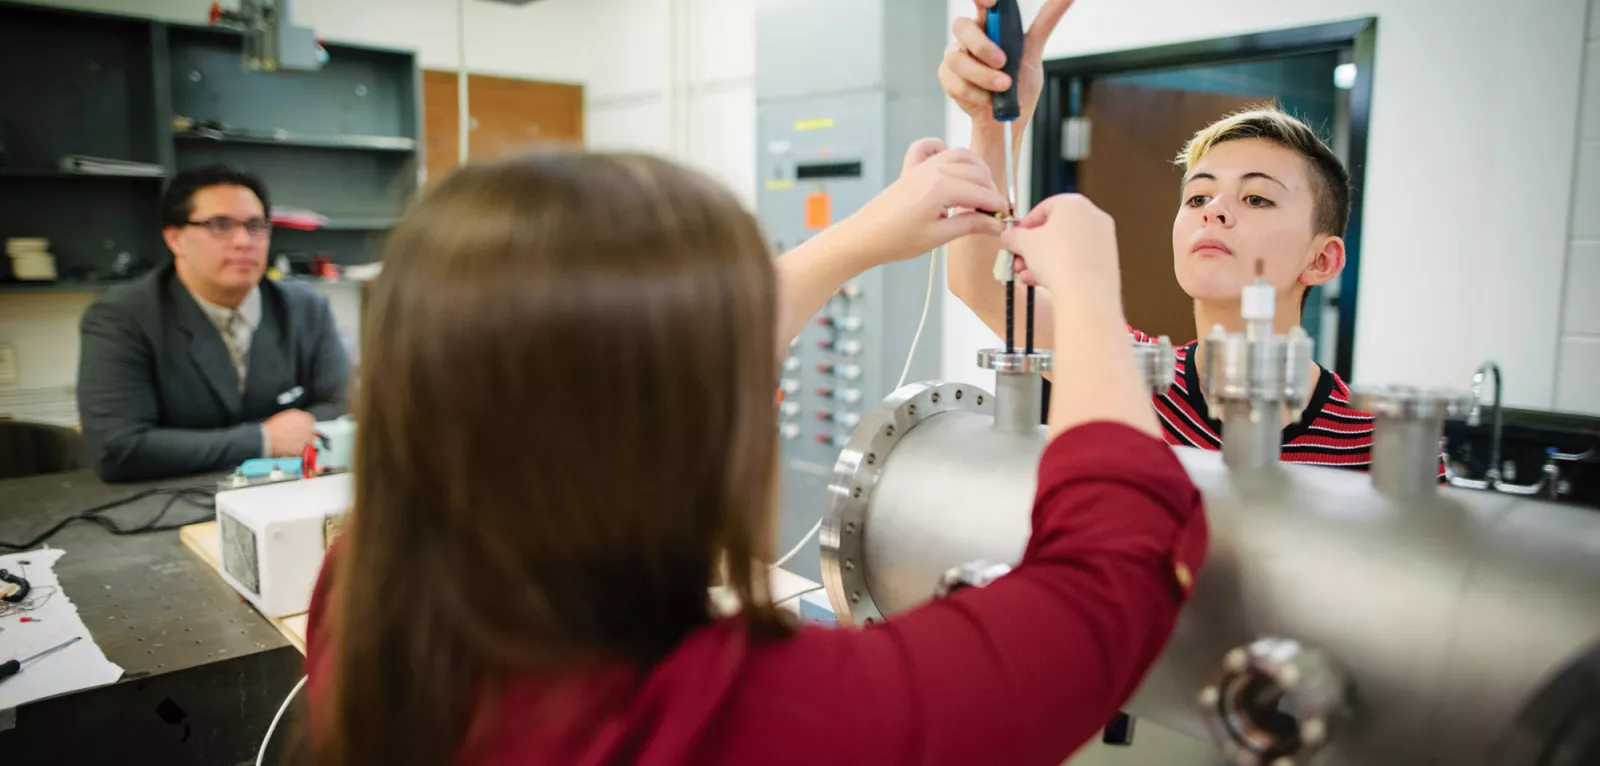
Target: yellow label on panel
{"type": "Point", "coordinates": [820, 123]}
{"type": "Point", "coordinates": [780, 184]}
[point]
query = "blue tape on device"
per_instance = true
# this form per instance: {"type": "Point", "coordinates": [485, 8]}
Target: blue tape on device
{"type": "Point", "coordinates": [259, 467]}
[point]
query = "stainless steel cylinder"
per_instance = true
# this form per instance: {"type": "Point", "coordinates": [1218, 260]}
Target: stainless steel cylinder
{"type": "Point", "coordinates": [1254, 378]}
{"type": "Point", "coordinates": [1407, 423]}
{"type": "Point", "coordinates": [1254, 434]}
{"type": "Point", "coordinates": [1406, 460]}
{"type": "Point", "coordinates": [916, 425]}
{"type": "Point", "coordinates": [1019, 388]}
{"type": "Point", "coordinates": [1298, 385]}
{"type": "Point", "coordinates": [1020, 406]}
{"type": "Point", "coordinates": [1448, 610]}
{"type": "Point", "coordinates": [1155, 362]}
{"type": "Point", "coordinates": [1445, 611]}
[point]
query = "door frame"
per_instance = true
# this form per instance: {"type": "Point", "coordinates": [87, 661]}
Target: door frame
{"type": "Point", "coordinates": [1062, 98]}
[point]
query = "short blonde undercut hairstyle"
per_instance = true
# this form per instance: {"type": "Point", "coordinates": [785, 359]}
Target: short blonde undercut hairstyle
{"type": "Point", "coordinates": [1330, 179]}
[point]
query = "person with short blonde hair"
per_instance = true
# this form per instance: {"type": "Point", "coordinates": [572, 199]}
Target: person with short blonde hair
{"type": "Point", "coordinates": [1329, 180]}
{"type": "Point", "coordinates": [1259, 188]}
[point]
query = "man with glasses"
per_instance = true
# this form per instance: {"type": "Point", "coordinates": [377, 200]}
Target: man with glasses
{"type": "Point", "coordinates": [201, 364]}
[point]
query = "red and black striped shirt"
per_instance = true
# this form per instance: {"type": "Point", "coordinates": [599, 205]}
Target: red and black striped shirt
{"type": "Point", "coordinates": [1330, 432]}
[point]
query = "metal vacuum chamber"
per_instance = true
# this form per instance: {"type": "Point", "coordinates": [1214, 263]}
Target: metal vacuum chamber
{"type": "Point", "coordinates": [1342, 618]}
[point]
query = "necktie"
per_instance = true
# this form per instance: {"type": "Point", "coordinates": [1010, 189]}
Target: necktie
{"type": "Point", "coordinates": [233, 336]}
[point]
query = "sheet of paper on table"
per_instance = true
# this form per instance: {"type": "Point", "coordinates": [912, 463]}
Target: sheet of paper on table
{"type": "Point", "coordinates": [53, 620]}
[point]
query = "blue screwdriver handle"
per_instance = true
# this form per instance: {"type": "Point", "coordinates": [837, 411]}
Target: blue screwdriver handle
{"type": "Point", "coordinates": [1004, 26]}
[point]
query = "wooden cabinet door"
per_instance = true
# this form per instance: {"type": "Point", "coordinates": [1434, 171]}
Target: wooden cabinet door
{"type": "Point", "coordinates": [1135, 132]}
{"type": "Point", "coordinates": [508, 116]}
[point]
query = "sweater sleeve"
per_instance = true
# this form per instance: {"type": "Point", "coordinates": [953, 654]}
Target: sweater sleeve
{"type": "Point", "coordinates": [1026, 670]}
{"type": "Point", "coordinates": [319, 640]}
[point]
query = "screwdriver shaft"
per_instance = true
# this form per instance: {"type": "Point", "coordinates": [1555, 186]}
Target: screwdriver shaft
{"type": "Point", "coordinates": [51, 650]}
{"type": "Point", "coordinates": [1011, 178]}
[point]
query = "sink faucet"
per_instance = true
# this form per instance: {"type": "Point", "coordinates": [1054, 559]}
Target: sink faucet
{"type": "Point", "coordinates": [1475, 416]}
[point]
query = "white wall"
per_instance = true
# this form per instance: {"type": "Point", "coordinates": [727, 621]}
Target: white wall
{"type": "Point", "coordinates": [1468, 184]}
{"type": "Point", "coordinates": [636, 81]}
{"type": "Point", "coordinates": [33, 325]}
{"type": "Point", "coordinates": [1578, 365]}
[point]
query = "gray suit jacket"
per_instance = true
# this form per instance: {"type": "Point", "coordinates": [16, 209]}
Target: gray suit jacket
{"type": "Point", "coordinates": [158, 396]}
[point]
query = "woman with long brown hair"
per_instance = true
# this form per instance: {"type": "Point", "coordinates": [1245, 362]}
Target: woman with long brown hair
{"type": "Point", "coordinates": [567, 437]}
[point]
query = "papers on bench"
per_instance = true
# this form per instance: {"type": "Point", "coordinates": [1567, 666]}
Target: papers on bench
{"type": "Point", "coordinates": [52, 619]}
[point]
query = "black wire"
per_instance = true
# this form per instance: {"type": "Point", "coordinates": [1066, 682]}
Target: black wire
{"type": "Point", "coordinates": [36, 599]}
{"type": "Point", "coordinates": [1011, 316]}
{"type": "Point", "coordinates": [196, 496]}
{"type": "Point", "coordinates": [1028, 327]}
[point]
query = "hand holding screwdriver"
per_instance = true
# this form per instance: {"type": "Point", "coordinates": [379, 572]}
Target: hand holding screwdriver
{"type": "Point", "coordinates": [975, 67]}
{"type": "Point", "coordinates": [1003, 25]}
{"type": "Point", "coordinates": [995, 73]}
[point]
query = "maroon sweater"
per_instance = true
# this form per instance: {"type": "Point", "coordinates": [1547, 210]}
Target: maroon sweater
{"type": "Point", "coordinates": [1024, 671]}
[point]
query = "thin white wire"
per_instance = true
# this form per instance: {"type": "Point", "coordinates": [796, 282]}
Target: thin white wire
{"type": "Point", "coordinates": [795, 551]}
{"type": "Point", "coordinates": [927, 303]}
{"type": "Point", "coordinates": [261, 756]}
{"type": "Point", "coordinates": [793, 596]}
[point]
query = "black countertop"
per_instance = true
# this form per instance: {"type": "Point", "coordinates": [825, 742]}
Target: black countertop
{"type": "Point", "coordinates": [152, 605]}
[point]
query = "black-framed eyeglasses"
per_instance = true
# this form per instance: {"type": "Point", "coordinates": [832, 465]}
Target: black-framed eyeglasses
{"type": "Point", "coordinates": [223, 226]}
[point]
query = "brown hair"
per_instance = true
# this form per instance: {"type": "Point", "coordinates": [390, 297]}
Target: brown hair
{"type": "Point", "coordinates": [566, 438]}
{"type": "Point", "coordinates": [1330, 181]}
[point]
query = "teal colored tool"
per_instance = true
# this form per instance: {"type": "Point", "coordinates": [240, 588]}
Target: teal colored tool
{"type": "Point", "coordinates": [259, 467]}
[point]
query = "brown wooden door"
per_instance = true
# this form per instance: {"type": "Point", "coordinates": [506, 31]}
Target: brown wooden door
{"type": "Point", "coordinates": [1134, 134]}
{"type": "Point", "coordinates": [509, 116]}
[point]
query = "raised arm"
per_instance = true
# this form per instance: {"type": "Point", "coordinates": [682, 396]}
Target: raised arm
{"type": "Point", "coordinates": [1027, 669]}
{"type": "Point", "coordinates": [970, 73]}
{"type": "Point", "coordinates": [906, 220]}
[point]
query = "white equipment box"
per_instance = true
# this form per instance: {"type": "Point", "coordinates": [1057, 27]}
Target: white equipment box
{"type": "Point", "coordinates": [274, 537]}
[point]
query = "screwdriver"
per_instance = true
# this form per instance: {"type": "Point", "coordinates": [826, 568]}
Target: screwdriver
{"type": "Point", "coordinates": [1003, 23]}
{"type": "Point", "coordinates": [1004, 26]}
{"type": "Point", "coordinates": [10, 668]}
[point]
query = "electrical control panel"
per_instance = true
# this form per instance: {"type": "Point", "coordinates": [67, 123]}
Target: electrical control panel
{"type": "Point", "coordinates": [825, 147]}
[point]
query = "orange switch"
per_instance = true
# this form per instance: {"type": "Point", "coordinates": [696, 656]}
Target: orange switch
{"type": "Point", "coordinates": [819, 211]}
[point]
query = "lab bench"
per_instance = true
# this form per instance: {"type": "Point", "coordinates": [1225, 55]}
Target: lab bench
{"type": "Point", "coordinates": [203, 672]}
